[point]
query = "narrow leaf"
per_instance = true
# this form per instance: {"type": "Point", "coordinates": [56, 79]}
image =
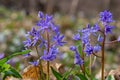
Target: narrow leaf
{"type": "Point", "coordinates": [57, 75]}
{"type": "Point", "coordinates": [4, 67]}
{"type": "Point", "coordinates": [66, 74]}
{"type": "Point", "coordinates": [82, 77]}
{"type": "Point", "coordinates": [11, 72]}
{"type": "Point", "coordinates": [2, 61]}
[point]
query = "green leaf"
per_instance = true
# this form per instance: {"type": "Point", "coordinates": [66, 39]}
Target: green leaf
{"type": "Point", "coordinates": [57, 75]}
{"type": "Point", "coordinates": [77, 43]}
{"type": "Point", "coordinates": [66, 74]}
{"type": "Point", "coordinates": [82, 77]}
{"type": "Point", "coordinates": [4, 67]}
{"type": "Point", "coordinates": [87, 72]}
{"type": "Point", "coordinates": [11, 72]}
{"type": "Point", "coordinates": [110, 77]}
{"type": "Point", "coordinates": [2, 61]}
{"type": "Point", "coordinates": [80, 49]}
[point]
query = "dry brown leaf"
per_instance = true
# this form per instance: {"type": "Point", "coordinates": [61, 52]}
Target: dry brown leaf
{"type": "Point", "coordinates": [11, 78]}
{"type": "Point", "coordinates": [31, 73]}
{"type": "Point", "coordinates": [115, 73]}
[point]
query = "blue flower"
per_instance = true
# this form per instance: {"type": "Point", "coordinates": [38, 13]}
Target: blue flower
{"type": "Point", "coordinates": [85, 40]}
{"type": "Point", "coordinates": [88, 49]}
{"type": "Point", "coordinates": [73, 48]}
{"type": "Point", "coordinates": [58, 38]}
{"type": "Point", "coordinates": [35, 63]}
{"type": "Point", "coordinates": [77, 59]}
{"type": "Point", "coordinates": [55, 28]}
{"type": "Point", "coordinates": [35, 40]}
{"type": "Point", "coordinates": [100, 38]}
{"type": "Point", "coordinates": [85, 34]}
{"type": "Point", "coordinates": [27, 55]}
{"type": "Point", "coordinates": [108, 29]}
{"type": "Point", "coordinates": [118, 39]}
{"type": "Point", "coordinates": [43, 42]}
{"type": "Point", "coordinates": [27, 42]}
{"type": "Point", "coordinates": [96, 48]}
{"type": "Point", "coordinates": [45, 22]}
{"type": "Point", "coordinates": [48, 18]}
{"type": "Point", "coordinates": [76, 36]}
{"type": "Point", "coordinates": [106, 17]}
{"type": "Point", "coordinates": [95, 28]}
{"type": "Point", "coordinates": [40, 15]}
{"type": "Point", "coordinates": [2, 55]}
{"type": "Point", "coordinates": [32, 38]}
{"type": "Point", "coordinates": [51, 55]}
{"type": "Point", "coordinates": [33, 32]}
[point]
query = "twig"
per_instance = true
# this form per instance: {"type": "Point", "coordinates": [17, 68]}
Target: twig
{"type": "Point", "coordinates": [97, 55]}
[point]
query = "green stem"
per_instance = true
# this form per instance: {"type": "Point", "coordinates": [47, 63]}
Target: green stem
{"type": "Point", "coordinates": [81, 67]}
{"type": "Point", "coordinates": [41, 70]}
{"type": "Point", "coordinates": [83, 58]}
{"type": "Point", "coordinates": [48, 72]}
{"type": "Point", "coordinates": [71, 69]}
{"type": "Point", "coordinates": [90, 65]}
{"type": "Point", "coordinates": [103, 57]}
{"type": "Point", "coordinates": [40, 63]}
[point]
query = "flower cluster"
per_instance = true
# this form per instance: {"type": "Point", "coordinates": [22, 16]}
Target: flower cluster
{"type": "Point", "coordinates": [106, 19]}
{"type": "Point", "coordinates": [45, 35]}
{"type": "Point", "coordinates": [85, 34]}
